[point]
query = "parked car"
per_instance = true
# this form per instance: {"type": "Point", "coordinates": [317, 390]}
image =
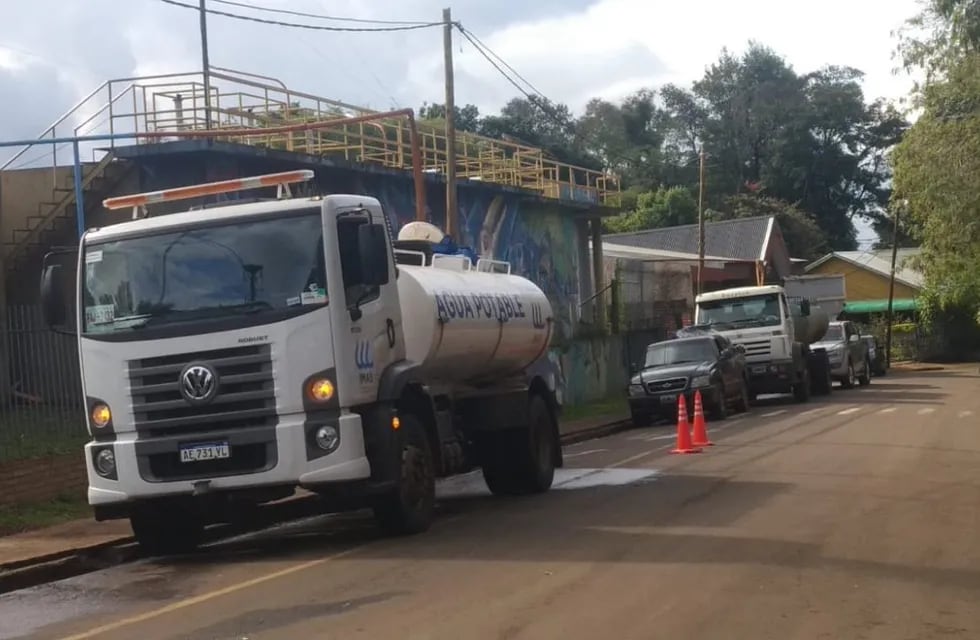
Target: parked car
{"type": "Point", "coordinates": [707, 362]}
{"type": "Point", "coordinates": [847, 352]}
{"type": "Point", "coordinates": [876, 353]}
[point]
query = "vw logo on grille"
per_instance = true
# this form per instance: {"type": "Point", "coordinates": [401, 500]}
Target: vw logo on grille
{"type": "Point", "coordinates": [198, 383]}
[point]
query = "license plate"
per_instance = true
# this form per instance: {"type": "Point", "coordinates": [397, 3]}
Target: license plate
{"type": "Point", "coordinates": [759, 369]}
{"type": "Point", "coordinates": [671, 399]}
{"type": "Point", "coordinates": [202, 452]}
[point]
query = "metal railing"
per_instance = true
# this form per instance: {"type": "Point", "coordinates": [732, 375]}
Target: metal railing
{"type": "Point", "coordinates": [237, 100]}
{"type": "Point", "coordinates": [40, 405]}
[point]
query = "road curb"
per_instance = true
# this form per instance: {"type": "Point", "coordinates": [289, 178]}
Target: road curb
{"type": "Point", "coordinates": [31, 572]}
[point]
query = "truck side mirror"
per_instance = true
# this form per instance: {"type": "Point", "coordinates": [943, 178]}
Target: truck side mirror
{"type": "Point", "coordinates": [854, 338]}
{"type": "Point", "coordinates": [53, 296]}
{"type": "Point", "coordinates": [804, 307]}
{"type": "Point", "coordinates": [372, 247]}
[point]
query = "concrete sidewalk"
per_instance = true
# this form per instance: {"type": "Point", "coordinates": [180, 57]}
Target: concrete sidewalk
{"type": "Point", "coordinates": [52, 543]}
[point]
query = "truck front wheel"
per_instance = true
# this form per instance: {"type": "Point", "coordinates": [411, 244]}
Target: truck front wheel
{"type": "Point", "coordinates": [164, 530]}
{"type": "Point", "coordinates": [801, 390]}
{"type": "Point", "coordinates": [522, 461]}
{"type": "Point", "coordinates": [409, 507]}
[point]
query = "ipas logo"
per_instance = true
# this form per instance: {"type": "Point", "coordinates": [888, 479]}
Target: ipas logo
{"type": "Point", "coordinates": [364, 361]}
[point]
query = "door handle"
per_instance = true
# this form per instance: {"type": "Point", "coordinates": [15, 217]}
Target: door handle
{"type": "Point", "coordinates": [390, 330]}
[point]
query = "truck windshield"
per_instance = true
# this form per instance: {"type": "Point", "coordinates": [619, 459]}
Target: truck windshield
{"type": "Point", "coordinates": [835, 333]}
{"type": "Point", "coordinates": [207, 272]}
{"type": "Point", "coordinates": [751, 311]}
{"type": "Point", "coordinates": [666, 353]}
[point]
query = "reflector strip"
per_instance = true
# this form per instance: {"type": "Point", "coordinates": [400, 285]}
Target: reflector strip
{"type": "Point", "coordinates": [207, 189]}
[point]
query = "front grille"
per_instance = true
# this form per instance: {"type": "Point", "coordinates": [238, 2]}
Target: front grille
{"type": "Point", "coordinates": [757, 347]}
{"type": "Point", "coordinates": [670, 384]}
{"type": "Point", "coordinates": [245, 397]}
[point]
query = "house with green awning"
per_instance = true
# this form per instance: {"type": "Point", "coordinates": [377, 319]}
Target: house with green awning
{"type": "Point", "coordinates": [866, 279]}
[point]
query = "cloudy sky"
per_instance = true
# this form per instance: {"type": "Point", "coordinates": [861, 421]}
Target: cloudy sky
{"type": "Point", "coordinates": [53, 52]}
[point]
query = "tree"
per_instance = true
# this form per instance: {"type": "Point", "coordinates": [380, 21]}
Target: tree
{"type": "Point", "coordinates": [656, 209]}
{"type": "Point", "coordinates": [467, 118]}
{"type": "Point", "coordinates": [804, 237]}
{"type": "Point", "coordinates": [937, 177]}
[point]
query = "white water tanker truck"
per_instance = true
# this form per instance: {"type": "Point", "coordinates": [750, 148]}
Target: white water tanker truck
{"type": "Point", "coordinates": [232, 354]}
{"type": "Point", "coordinates": [776, 333]}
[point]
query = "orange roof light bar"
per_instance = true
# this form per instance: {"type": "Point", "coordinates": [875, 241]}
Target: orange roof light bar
{"type": "Point", "coordinates": [207, 189]}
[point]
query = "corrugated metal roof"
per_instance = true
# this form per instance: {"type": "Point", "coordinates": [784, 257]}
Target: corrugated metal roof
{"type": "Point", "coordinates": [880, 262]}
{"type": "Point", "coordinates": [737, 239]}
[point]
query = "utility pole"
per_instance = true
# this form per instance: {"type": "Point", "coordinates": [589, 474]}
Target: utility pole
{"type": "Point", "coordinates": [451, 211]}
{"type": "Point", "coordinates": [891, 286]}
{"type": "Point", "coordinates": [206, 67]}
{"type": "Point", "coordinates": [701, 222]}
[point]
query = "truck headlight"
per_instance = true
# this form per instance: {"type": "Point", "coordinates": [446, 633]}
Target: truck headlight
{"type": "Point", "coordinates": [327, 438]}
{"type": "Point", "coordinates": [101, 415]}
{"type": "Point", "coordinates": [105, 463]}
{"type": "Point", "coordinates": [636, 389]}
{"type": "Point", "coordinates": [701, 381]}
{"type": "Point", "coordinates": [320, 389]}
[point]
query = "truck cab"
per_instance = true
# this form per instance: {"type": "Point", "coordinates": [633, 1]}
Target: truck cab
{"type": "Point", "coordinates": [775, 332]}
{"type": "Point", "coordinates": [234, 354]}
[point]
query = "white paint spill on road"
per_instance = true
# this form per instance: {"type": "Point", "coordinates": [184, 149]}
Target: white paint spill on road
{"type": "Point", "coordinates": [844, 412]}
{"type": "Point", "coordinates": [584, 453]}
{"type": "Point", "coordinates": [777, 412]}
{"type": "Point", "coordinates": [925, 410]}
{"type": "Point", "coordinates": [964, 414]}
{"type": "Point", "coordinates": [472, 484]}
{"type": "Point", "coordinates": [888, 410]}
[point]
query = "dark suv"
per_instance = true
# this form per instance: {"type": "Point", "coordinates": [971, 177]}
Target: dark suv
{"type": "Point", "coordinates": [678, 367]}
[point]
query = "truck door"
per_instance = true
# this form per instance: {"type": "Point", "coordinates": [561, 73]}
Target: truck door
{"type": "Point", "coordinates": [726, 363]}
{"type": "Point", "coordinates": [372, 337]}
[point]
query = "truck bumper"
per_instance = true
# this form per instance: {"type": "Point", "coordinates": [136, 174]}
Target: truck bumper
{"type": "Point", "coordinates": [771, 377]}
{"type": "Point", "coordinates": [287, 465]}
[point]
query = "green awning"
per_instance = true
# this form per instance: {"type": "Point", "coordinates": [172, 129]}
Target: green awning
{"type": "Point", "coordinates": [879, 306]}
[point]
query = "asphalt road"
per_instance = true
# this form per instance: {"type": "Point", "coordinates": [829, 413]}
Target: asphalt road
{"type": "Point", "coordinates": [855, 516]}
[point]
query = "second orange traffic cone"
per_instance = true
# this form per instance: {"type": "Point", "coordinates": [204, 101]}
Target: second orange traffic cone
{"type": "Point", "coordinates": [684, 444]}
{"type": "Point", "coordinates": [700, 428]}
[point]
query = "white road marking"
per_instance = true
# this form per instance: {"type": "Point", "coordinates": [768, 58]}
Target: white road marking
{"type": "Point", "coordinates": [666, 436]}
{"type": "Point", "coordinates": [844, 412]}
{"type": "Point", "coordinates": [964, 414]}
{"type": "Point", "coordinates": [774, 413]}
{"type": "Point", "coordinates": [925, 410]}
{"type": "Point", "coordinates": [887, 410]}
{"type": "Point", "coordinates": [584, 453]}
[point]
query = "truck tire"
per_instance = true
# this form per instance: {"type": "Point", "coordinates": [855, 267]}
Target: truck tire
{"type": "Point", "coordinates": [640, 419]}
{"type": "Point", "coordinates": [522, 461]}
{"type": "Point", "coordinates": [865, 378]}
{"type": "Point", "coordinates": [820, 378]}
{"type": "Point", "coordinates": [801, 389]}
{"type": "Point", "coordinates": [163, 530]}
{"type": "Point", "coordinates": [408, 509]}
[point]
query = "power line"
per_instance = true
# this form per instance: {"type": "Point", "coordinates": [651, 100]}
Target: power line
{"type": "Point", "coordinates": [317, 16]}
{"type": "Point", "coordinates": [472, 35]}
{"type": "Point", "coordinates": [297, 25]}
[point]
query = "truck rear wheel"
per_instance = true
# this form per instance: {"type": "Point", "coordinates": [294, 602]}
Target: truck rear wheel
{"type": "Point", "coordinates": [409, 508]}
{"type": "Point", "coordinates": [164, 530]}
{"type": "Point", "coordinates": [522, 461]}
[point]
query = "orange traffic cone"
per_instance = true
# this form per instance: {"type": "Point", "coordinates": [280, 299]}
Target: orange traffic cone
{"type": "Point", "coordinates": [700, 428]}
{"type": "Point", "coordinates": [684, 429]}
